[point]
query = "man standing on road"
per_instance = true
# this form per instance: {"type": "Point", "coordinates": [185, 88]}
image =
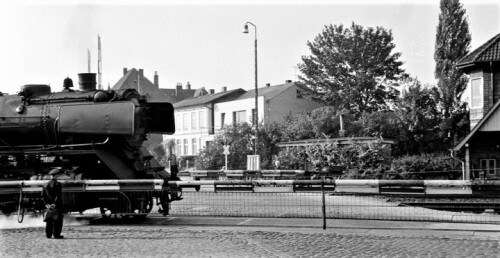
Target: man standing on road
{"type": "Point", "coordinates": [52, 197]}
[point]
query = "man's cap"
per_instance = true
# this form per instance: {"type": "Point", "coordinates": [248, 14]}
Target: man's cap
{"type": "Point", "coordinates": [54, 171]}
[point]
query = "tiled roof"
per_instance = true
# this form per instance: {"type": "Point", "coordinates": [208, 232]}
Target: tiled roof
{"type": "Point", "coordinates": [271, 91]}
{"type": "Point", "coordinates": [129, 81]}
{"type": "Point", "coordinates": [209, 98]}
{"type": "Point", "coordinates": [489, 51]}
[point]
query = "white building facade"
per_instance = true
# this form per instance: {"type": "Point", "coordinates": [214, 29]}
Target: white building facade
{"type": "Point", "coordinates": [194, 117]}
{"type": "Point", "coordinates": [191, 130]}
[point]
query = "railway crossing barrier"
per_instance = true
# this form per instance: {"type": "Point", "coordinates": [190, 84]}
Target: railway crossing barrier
{"type": "Point", "coordinates": [442, 200]}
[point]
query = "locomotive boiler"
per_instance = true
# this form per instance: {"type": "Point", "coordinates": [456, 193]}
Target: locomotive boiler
{"type": "Point", "coordinates": [87, 133]}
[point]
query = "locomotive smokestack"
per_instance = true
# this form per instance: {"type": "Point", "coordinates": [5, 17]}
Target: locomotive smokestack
{"type": "Point", "coordinates": [87, 81]}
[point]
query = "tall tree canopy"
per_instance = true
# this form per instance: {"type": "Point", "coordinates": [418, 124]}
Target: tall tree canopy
{"type": "Point", "coordinates": [352, 68]}
{"type": "Point", "coordinates": [452, 44]}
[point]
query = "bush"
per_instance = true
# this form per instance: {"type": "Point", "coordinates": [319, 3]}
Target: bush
{"type": "Point", "coordinates": [370, 161]}
{"type": "Point", "coordinates": [328, 156]}
{"type": "Point", "coordinates": [427, 166]}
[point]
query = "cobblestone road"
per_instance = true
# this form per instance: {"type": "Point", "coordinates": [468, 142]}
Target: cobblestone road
{"type": "Point", "coordinates": [217, 241]}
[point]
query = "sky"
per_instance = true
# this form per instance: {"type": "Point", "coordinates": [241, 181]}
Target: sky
{"type": "Point", "coordinates": [201, 42]}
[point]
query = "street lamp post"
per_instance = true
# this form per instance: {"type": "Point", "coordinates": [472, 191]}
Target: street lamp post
{"type": "Point", "coordinates": [256, 117]}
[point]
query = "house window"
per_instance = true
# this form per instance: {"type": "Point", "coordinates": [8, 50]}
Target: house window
{"type": "Point", "coordinates": [185, 122]}
{"type": "Point", "coordinates": [222, 118]}
{"type": "Point", "coordinates": [186, 146]}
{"type": "Point", "coordinates": [476, 93]}
{"type": "Point", "coordinates": [178, 147]}
{"type": "Point", "coordinates": [299, 94]}
{"type": "Point", "coordinates": [202, 119]}
{"type": "Point", "coordinates": [194, 146]}
{"type": "Point", "coordinates": [194, 123]}
{"type": "Point", "coordinates": [488, 166]}
{"type": "Point", "coordinates": [239, 117]}
{"type": "Point", "coordinates": [178, 122]}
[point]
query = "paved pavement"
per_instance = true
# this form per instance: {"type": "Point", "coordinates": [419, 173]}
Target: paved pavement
{"type": "Point", "coordinates": [251, 237]}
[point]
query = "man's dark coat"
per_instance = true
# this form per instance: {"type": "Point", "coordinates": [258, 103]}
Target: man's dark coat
{"type": "Point", "coordinates": [52, 194]}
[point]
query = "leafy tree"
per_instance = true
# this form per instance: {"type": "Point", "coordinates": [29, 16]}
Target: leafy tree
{"type": "Point", "coordinates": [210, 157]}
{"type": "Point", "coordinates": [296, 127]}
{"type": "Point", "coordinates": [238, 137]}
{"type": "Point", "coordinates": [325, 122]}
{"type": "Point", "coordinates": [352, 68]}
{"type": "Point", "coordinates": [452, 44]}
{"type": "Point", "coordinates": [270, 135]}
{"type": "Point", "coordinates": [378, 124]}
{"type": "Point", "coordinates": [418, 119]}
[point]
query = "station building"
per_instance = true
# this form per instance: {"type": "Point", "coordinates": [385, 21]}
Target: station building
{"type": "Point", "coordinates": [482, 145]}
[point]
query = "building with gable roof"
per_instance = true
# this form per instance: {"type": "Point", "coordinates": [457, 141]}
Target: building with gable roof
{"type": "Point", "coordinates": [482, 144]}
{"type": "Point", "coordinates": [135, 79]}
{"type": "Point", "coordinates": [198, 119]}
{"type": "Point", "coordinates": [274, 104]}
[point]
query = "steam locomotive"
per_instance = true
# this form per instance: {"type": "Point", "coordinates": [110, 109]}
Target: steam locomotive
{"type": "Point", "coordinates": [88, 134]}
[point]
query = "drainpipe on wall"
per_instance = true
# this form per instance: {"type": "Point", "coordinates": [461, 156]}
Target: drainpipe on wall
{"type": "Point", "coordinates": [463, 163]}
{"type": "Point", "coordinates": [492, 86]}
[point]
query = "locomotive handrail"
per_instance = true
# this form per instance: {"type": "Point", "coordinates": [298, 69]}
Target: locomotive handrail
{"type": "Point", "coordinates": [58, 100]}
{"type": "Point", "coordinates": [49, 147]}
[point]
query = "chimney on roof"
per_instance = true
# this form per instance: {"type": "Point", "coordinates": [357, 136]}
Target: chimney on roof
{"type": "Point", "coordinates": [212, 91]}
{"type": "Point", "coordinates": [141, 72]}
{"type": "Point", "coordinates": [188, 86]}
{"type": "Point", "coordinates": [178, 89]}
{"type": "Point", "coordinates": [288, 81]}
{"type": "Point", "coordinates": [125, 70]}
{"type": "Point", "coordinates": [268, 84]}
{"type": "Point", "coordinates": [223, 89]}
{"type": "Point", "coordinates": [156, 79]}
